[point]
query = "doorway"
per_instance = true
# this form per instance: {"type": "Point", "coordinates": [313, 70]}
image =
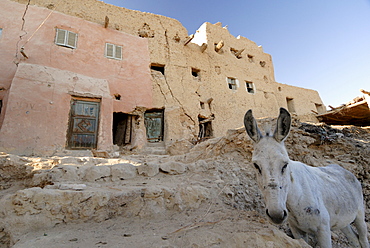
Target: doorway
{"type": "Point", "coordinates": [122, 128]}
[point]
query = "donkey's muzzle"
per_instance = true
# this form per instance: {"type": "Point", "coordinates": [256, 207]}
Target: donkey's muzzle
{"type": "Point", "coordinates": [277, 217]}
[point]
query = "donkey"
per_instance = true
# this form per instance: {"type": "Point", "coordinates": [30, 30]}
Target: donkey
{"type": "Point", "coordinates": [314, 200]}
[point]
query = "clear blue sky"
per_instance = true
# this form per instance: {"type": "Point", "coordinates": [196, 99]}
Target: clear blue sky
{"type": "Point", "coordinates": [317, 44]}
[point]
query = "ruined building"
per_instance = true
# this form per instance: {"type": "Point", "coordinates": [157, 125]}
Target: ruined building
{"type": "Point", "coordinates": [88, 75]}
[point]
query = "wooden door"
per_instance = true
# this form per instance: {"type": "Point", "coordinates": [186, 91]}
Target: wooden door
{"type": "Point", "coordinates": [154, 126]}
{"type": "Point", "coordinates": [83, 123]}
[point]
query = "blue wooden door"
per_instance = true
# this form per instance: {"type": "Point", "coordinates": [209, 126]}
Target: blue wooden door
{"type": "Point", "coordinates": [154, 126]}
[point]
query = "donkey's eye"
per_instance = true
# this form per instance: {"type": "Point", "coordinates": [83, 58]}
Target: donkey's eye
{"type": "Point", "coordinates": [257, 167]}
{"type": "Point", "coordinates": [284, 168]}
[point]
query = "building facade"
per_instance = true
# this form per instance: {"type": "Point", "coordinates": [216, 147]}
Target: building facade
{"type": "Point", "coordinates": [66, 82]}
{"type": "Point", "coordinates": [145, 79]}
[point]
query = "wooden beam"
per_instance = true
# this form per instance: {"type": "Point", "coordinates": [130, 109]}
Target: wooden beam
{"type": "Point", "coordinates": [203, 47]}
{"type": "Point", "coordinates": [219, 45]}
{"type": "Point", "coordinates": [237, 54]}
{"type": "Point", "coordinates": [188, 39]}
{"type": "Point", "coordinates": [106, 21]}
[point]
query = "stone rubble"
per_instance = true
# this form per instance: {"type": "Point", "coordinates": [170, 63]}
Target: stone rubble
{"type": "Point", "coordinates": [206, 197]}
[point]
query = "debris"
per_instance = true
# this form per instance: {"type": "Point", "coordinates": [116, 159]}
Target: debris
{"type": "Point", "coordinates": [355, 112]}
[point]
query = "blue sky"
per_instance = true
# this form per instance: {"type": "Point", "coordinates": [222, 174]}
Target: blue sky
{"type": "Point", "coordinates": [317, 44]}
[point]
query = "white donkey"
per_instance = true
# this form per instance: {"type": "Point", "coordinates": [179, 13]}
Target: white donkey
{"type": "Point", "coordinates": [314, 200]}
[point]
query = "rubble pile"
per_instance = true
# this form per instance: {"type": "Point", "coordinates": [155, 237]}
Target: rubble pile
{"type": "Point", "coordinates": [206, 197]}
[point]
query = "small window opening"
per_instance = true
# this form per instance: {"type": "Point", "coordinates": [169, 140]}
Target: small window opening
{"type": "Point", "coordinates": [232, 83]}
{"type": "Point", "coordinates": [157, 67]}
{"type": "Point", "coordinates": [320, 108]}
{"type": "Point", "coordinates": [205, 128]}
{"type": "Point", "coordinates": [279, 88]}
{"type": "Point", "coordinates": [122, 128]}
{"type": "Point", "coordinates": [202, 105]}
{"type": "Point", "coordinates": [117, 96]}
{"type": "Point", "coordinates": [195, 72]}
{"type": "Point", "coordinates": [1, 32]}
{"type": "Point", "coordinates": [250, 87]}
{"type": "Point", "coordinates": [290, 104]}
{"type": "Point", "coordinates": [250, 58]}
{"type": "Point", "coordinates": [262, 63]}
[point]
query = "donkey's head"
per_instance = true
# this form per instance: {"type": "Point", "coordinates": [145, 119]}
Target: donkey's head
{"type": "Point", "coordinates": [271, 161]}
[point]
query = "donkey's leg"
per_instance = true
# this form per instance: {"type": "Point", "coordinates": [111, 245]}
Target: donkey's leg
{"type": "Point", "coordinates": [361, 227]}
{"type": "Point", "coordinates": [351, 236]}
{"type": "Point", "coordinates": [324, 236]}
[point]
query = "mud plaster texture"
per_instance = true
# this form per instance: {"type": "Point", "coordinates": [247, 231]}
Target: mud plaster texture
{"type": "Point", "coordinates": [207, 197]}
{"type": "Point", "coordinates": [186, 98]}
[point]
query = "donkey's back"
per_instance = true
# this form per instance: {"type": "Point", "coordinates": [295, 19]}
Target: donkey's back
{"type": "Point", "coordinates": [332, 189]}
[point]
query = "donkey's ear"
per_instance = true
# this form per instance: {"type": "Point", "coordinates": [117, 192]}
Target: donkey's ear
{"type": "Point", "coordinates": [283, 125]}
{"type": "Point", "coordinates": [251, 127]}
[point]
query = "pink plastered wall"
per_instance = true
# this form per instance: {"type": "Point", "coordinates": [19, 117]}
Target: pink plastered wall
{"type": "Point", "coordinates": [35, 108]}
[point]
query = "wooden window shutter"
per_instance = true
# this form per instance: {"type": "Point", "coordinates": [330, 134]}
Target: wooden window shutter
{"type": "Point", "coordinates": [61, 37]}
{"type": "Point", "coordinates": [109, 50]}
{"type": "Point", "coordinates": [118, 54]}
{"type": "Point", "coordinates": [72, 40]}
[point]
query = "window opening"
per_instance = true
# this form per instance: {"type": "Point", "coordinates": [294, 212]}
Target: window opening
{"type": "Point", "coordinates": [232, 83]}
{"type": "Point", "coordinates": [320, 108]}
{"type": "Point", "coordinates": [1, 32]}
{"type": "Point", "coordinates": [83, 123]}
{"type": "Point", "coordinates": [117, 96]}
{"type": "Point", "coordinates": [157, 67]}
{"type": "Point", "coordinates": [205, 128]}
{"type": "Point", "coordinates": [113, 51]}
{"type": "Point", "coordinates": [1, 105]}
{"type": "Point", "coordinates": [195, 72]}
{"type": "Point", "coordinates": [66, 38]}
{"type": "Point", "coordinates": [290, 104]}
{"type": "Point", "coordinates": [122, 128]}
{"type": "Point", "coordinates": [202, 105]}
{"type": "Point", "coordinates": [250, 87]}
{"type": "Point", "coordinates": [250, 58]}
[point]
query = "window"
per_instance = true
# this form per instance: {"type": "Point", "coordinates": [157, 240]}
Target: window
{"type": "Point", "coordinates": [157, 67]}
{"type": "Point", "coordinates": [232, 83]}
{"type": "Point", "coordinates": [1, 32]}
{"type": "Point", "coordinates": [250, 87]}
{"type": "Point", "coordinates": [113, 51]}
{"type": "Point", "coordinates": [66, 38]}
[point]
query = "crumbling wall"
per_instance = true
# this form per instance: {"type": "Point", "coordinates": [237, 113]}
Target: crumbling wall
{"type": "Point", "coordinates": [214, 53]}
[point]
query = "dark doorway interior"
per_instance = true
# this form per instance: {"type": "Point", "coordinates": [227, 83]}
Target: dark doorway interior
{"type": "Point", "coordinates": [122, 128]}
{"type": "Point", "coordinates": [205, 128]}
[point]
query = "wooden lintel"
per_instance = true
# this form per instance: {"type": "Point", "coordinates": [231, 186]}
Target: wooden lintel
{"type": "Point", "coordinates": [203, 47]}
{"type": "Point", "coordinates": [219, 45]}
{"type": "Point", "coordinates": [106, 21]}
{"type": "Point", "coordinates": [237, 54]}
{"type": "Point", "coordinates": [188, 39]}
